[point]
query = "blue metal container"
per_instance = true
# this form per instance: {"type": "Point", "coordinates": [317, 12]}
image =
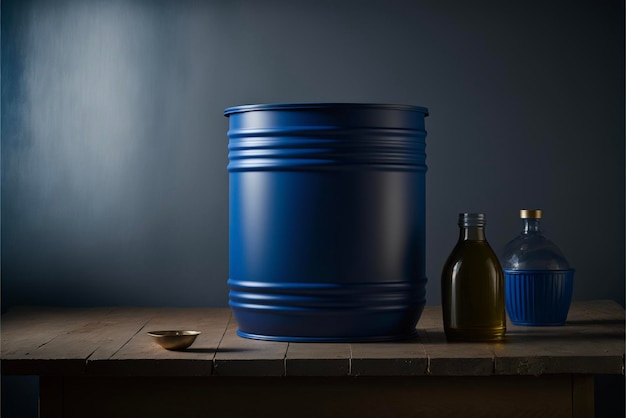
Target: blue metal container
{"type": "Point", "coordinates": [327, 220]}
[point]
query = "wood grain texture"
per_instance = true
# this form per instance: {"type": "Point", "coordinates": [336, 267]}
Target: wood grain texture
{"type": "Point", "coordinates": [317, 359]}
{"type": "Point", "coordinates": [591, 342]}
{"type": "Point", "coordinates": [400, 358]}
{"type": "Point", "coordinates": [141, 356]}
{"type": "Point", "coordinates": [238, 356]}
{"type": "Point", "coordinates": [458, 358]}
{"type": "Point", "coordinates": [113, 341]}
{"type": "Point", "coordinates": [452, 359]}
{"type": "Point", "coordinates": [47, 340]}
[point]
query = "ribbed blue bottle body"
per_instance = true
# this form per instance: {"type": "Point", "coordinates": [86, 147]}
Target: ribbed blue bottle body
{"type": "Point", "coordinates": [327, 217]}
{"type": "Point", "coordinates": [538, 297]}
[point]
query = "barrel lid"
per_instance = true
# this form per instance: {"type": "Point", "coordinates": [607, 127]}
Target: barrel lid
{"type": "Point", "coordinates": [303, 105]}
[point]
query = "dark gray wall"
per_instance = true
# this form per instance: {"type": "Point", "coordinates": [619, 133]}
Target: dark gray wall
{"type": "Point", "coordinates": [114, 182]}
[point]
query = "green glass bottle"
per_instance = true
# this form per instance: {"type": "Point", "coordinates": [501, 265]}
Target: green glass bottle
{"type": "Point", "coordinates": [472, 286]}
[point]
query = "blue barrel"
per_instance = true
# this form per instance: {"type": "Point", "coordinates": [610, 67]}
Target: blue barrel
{"type": "Point", "coordinates": [327, 221]}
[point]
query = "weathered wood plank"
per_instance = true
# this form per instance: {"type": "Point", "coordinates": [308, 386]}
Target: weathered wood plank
{"type": "Point", "coordinates": [113, 341]}
{"type": "Point", "coordinates": [43, 341]}
{"type": "Point", "coordinates": [238, 356]}
{"type": "Point", "coordinates": [318, 359]}
{"type": "Point", "coordinates": [24, 330]}
{"type": "Point", "coordinates": [141, 356]}
{"type": "Point", "coordinates": [528, 357]}
{"type": "Point", "coordinates": [112, 329]}
{"type": "Point", "coordinates": [593, 311]}
{"type": "Point", "coordinates": [116, 330]}
{"type": "Point", "coordinates": [398, 358]}
{"type": "Point", "coordinates": [457, 358]}
{"type": "Point", "coordinates": [591, 342]}
{"type": "Point", "coordinates": [431, 318]}
{"type": "Point", "coordinates": [452, 359]}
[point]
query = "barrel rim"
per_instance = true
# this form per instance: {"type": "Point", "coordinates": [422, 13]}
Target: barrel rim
{"type": "Point", "coordinates": [321, 105]}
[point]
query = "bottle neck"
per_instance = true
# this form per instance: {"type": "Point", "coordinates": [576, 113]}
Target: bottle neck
{"type": "Point", "coordinates": [532, 226]}
{"type": "Point", "coordinates": [472, 233]}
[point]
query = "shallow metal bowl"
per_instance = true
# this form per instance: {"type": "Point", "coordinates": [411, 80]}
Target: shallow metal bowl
{"type": "Point", "coordinates": [174, 340]}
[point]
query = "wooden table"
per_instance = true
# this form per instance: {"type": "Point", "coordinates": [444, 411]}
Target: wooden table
{"type": "Point", "coordinates": [99, 362]}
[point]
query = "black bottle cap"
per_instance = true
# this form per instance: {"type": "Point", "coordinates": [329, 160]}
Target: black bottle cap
{"type": "Point", "coordinates": [472, 219]}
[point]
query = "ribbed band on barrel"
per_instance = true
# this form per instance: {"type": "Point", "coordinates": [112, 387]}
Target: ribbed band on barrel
{"type": "Point", "coordinates": [325, 296]}
{"type": "Point", "coordinates": [327, 312]}
{"type": "Point", "coordinates": [298, 148]}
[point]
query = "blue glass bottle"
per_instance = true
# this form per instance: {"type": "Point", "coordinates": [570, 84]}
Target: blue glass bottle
{"type": "Point", "coordinates": [538, 278]}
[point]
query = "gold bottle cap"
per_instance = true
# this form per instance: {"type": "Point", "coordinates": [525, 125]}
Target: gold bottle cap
{"type": "Point", "coordinates": [530, 213]}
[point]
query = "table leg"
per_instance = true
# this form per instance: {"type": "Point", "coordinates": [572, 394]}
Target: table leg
{"type": "Point", "coordinates": [582, 396]}
{"type": "Point", "coordinates": [51, 397]}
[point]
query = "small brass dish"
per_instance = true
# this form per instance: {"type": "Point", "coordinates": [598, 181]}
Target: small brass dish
{"type": "Point", "coordinates": [174, 340]}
